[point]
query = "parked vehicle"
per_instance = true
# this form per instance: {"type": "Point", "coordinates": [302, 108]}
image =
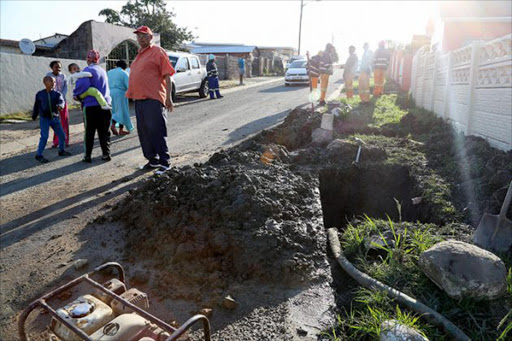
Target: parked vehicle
{"type": "Point", "coordinates": [190, 76]}
{"type": "Point", "coordinates": [297, 73]}
{"type": "Point", "coordinates": [292, 59]}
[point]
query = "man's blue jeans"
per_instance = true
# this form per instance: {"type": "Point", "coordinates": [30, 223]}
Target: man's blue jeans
{"type": "Point", "coordinates": [45, 124]}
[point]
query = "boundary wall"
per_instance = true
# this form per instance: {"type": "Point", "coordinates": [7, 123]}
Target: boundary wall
{"type": "Point", "coordinates": [470, 87]}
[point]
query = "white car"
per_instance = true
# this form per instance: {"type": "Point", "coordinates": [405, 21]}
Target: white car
{"type": "Point", "coordinates": [297, 73]}
{"type": "Point", "coordinates": [292, 59]}
{"type": "Point", "coordinates": [190, 76]}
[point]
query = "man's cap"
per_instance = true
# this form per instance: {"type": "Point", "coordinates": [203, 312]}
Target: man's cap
{"type": "Point", "coordinates": [144, 29]}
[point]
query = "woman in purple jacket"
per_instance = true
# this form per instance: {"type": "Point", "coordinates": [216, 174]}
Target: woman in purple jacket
{"type": "Point", "coordinates": [95, 118]}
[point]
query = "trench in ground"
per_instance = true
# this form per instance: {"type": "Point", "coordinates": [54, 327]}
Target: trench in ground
{"type": "Point", "coordinates": [354, 191]}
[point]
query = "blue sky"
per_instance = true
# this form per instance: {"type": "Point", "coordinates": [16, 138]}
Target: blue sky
{"type": "Point", "coordinates": [273, 23]}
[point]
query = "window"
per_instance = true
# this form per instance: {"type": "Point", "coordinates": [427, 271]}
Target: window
{"type": "Point", "coordinates": [195, 63]}
{"type": "Point", "coordinates": [182, 63]}
{"type": "Point", "coordinates": [173, 61]}
{"type": "Point", "coordinates": [298, 64]}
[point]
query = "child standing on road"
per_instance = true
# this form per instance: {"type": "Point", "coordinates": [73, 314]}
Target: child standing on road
{"type": "Point", "coordinates": [47, 105]}
{"type": "Point", "coordinates": [76, 74]}
{"type": "Point", "coordinates": [213, 77]}
{"type": "Point", "coordinates": [62, 87]}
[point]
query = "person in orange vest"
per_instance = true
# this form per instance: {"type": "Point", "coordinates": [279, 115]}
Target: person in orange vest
{"type": "Point", "coordinates": [326, 70]}
{"type": "Point", "coordinates": [364, 75]}
{"type": "Point", "coordinates": [380, 65]}
{"type": "Point", "coordinates": [349, 71]}
{"type": "Point", "coordinates": [314, 72]}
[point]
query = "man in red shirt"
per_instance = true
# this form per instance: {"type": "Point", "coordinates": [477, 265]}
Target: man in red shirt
{"type": "Point", "coordinates": [150, 87]}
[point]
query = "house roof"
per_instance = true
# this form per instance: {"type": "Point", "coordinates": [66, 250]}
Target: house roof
{"type": "Point", "coordinates": [223, 49]}
{"type": "Point", "coordinates": [16, 43]}
{"type": "Point", "coordinates": [276, 48]}
{"type": "Point", "coordinates": [52, 36]}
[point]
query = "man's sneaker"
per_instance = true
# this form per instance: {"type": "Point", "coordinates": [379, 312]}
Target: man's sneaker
{"type": "Point", "coordinates": [149, 166]}
{"type": "Point", "coordinates": [106, 158]}
{"type": "Point", "coordinates": [64, 153]}
{"type": "Point", "coordinates": [114, 130]}
{"type": "Point", "coordinates": [41, 159]}
{"type": "Point", "coordinates": [87, 159]}
{"type": "Point", "coordinates": [162, 170]}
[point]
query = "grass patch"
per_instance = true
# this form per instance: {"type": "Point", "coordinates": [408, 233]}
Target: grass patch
{"type": "Point", "coordinates": [22, 116]}
{"type": "Point", "coordinates": [376, 116]}
{"type": "Point", "coordinates": [394, 262]}
{"type": "Point", "coordinates": [387, 111]}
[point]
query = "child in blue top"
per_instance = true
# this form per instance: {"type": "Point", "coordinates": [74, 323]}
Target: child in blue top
{"type": "Point", "coordinates": [46, 106]}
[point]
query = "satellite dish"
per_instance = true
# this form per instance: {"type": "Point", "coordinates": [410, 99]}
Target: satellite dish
{"type": "Point", "coordinates": [27, 46]}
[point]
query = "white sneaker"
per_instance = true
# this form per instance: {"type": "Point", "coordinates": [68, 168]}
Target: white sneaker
{"type": "Point", "coordinates": [148, 166]}
{"type": "Point", "coordinates": [162, 169]}
{"type": "Point", "coordinates": [106, 107]}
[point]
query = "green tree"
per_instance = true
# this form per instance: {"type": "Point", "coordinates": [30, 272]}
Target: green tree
{"type": "Point", "coordinates": [151, 13]}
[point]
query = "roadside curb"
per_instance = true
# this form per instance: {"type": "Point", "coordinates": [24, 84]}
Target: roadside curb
{"type": "Point", "coordinates": [20, 145]}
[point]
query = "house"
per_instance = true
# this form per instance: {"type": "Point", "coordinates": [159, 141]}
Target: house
{"type": "Point", "coordinates": [234, 50]}
{"type": "Point", "coordinates": [464, 22]}
{"type": "Point", "coordinates": [51, 41]}
{"type": "Point", "coordinates": [284, 51]}
{"type": "Point", "coordinates": [259, 59]}
{"type": "Point", "coordinates": [13, 47]}
{"type": "Point", "coordinates": [113, 43]}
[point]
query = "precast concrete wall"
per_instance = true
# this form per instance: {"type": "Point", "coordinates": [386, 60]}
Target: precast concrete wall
{"type": "Point", "coordinates": [21, 77]}
{"type": "Point", "coordinates": [470, 87]}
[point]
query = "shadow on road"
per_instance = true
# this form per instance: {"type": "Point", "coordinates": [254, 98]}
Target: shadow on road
{"type": "Point", "coordinates": [52, 174]}
{"type": "Point", "coordinates": [256, 126]}
{"type": "Point", "coordinates": [29, 224]}
{"type": "Point", "coordinates": [284, 88]}
{"type": "Point", "coordinates": [24, 161]}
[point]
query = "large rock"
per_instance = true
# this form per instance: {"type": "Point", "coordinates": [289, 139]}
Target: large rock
{"type": "Point", "coordinates": [464, 270]}
{"type": "Point", "coordinates": [321, 136]}
{"type": "Point", "coordinates": [392, 330]}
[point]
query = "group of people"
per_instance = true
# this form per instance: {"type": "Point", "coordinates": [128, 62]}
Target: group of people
{"type": "Point", "coordinates": [104, 100]}
{"type": "Point", "coordinates": [377, 62]}
{"type": "Point", "coordinates": [321, 68]}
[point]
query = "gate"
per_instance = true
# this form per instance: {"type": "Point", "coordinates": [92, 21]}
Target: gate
{"type": "Point", "coordinates": [127, 50]}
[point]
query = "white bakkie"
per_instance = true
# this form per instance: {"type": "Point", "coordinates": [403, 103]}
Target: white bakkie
{"type": "Point", "coordinates": [190, 76]}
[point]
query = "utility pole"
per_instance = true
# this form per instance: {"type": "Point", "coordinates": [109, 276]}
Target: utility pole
{"type": "Point", "coordinates": [300, 22]}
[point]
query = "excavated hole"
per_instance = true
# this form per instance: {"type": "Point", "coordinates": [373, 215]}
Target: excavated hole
{"type": "Point", "coordinates": [354, 191]}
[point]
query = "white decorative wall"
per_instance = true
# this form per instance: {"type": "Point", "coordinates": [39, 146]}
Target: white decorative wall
{"type": "Point", "coordinates": [470, 87]}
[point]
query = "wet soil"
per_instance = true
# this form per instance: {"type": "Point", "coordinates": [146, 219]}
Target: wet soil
{"type": "Point", "coordinates": [249, 222]}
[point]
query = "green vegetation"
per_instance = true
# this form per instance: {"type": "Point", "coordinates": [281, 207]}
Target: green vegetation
{"type": "Point", "coordinates": [395, 263]}
{"type": "Point", "coordinates": [152, 13]}
{"type": "Point", "coordinates": [440, 162]}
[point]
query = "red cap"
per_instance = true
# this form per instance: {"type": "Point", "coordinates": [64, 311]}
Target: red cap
{"type": "Point", "coordinates": [144, 29]}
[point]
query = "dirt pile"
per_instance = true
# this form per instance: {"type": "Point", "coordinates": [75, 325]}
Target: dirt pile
{"type": "Point", "coordinates": [295, 132]}
{"type": "Point", "coordinates": [241, 216]}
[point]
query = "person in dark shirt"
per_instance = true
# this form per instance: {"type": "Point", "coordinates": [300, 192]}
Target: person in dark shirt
{"type": "Point", "coordinates": [213, 77]}
{"type": "Point", "coordinates": [326, 70]}
{"type": "Point", "coordinates": [47, 105]}
{"type": "Point", "coordinates": [350, 71]}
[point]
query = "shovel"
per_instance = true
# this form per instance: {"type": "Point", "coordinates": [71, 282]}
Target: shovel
{"type": "Point", "coordinates": [360, 143]}
{"type": "Point", "coordinates": [495, 231]}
